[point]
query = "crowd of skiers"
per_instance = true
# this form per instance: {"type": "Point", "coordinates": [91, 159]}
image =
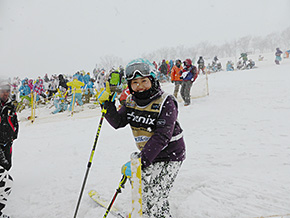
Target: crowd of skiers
{"type": "Point", "coordinates": [56, 87]}
{"type": "Point", "coordinates": [65, 90]}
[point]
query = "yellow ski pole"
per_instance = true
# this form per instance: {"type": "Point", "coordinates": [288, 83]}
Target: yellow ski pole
{"type": "Point", "coordinates": [90, 161]}
{"type": "Point", "coordinates": [31, 105]}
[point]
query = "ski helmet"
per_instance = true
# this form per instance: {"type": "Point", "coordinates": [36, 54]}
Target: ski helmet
{"type": "Point", "coordinates": [139, 68]}
{"type": "Point", "coordinates": [142, 68]}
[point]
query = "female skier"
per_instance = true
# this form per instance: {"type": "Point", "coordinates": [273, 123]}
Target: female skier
{"type": "Point", "coordinates": [152, 115]}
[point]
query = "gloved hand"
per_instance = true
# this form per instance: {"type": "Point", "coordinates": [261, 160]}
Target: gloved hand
{"type": "Point", "coordinates": [181, 77]}
{"type": "Point", "coordinates": [126, 169]}
{"type": "Point", "coordinates": [105, 94]}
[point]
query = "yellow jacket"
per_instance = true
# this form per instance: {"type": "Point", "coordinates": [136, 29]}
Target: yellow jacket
{"type": "Point", "coordinates": [76, 86]}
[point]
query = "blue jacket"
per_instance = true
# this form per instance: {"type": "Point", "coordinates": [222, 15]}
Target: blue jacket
{"type": "Point", "coordinates": [24, 90]}
{"type": "Point", "coordinates": [189, 73]}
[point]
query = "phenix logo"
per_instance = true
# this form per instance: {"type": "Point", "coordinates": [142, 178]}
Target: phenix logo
{"type": "Point", "coordinates": [140, 119]}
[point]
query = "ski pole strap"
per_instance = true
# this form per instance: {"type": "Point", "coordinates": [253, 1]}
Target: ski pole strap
{"type": "Point", "coordinates": [122, 182]}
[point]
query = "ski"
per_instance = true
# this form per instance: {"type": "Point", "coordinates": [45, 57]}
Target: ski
{"type": "Point", "coordinates": [115, 211]}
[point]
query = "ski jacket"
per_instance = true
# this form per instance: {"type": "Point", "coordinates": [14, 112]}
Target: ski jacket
{"type": "Point", "coordinates": [125, 93]}
{"type": "Point", "coordinates": [24, 90]}
{"type": "Point", "coordinates": [176, 73]}
{"type": "Point", "coordinates": [87, 78]}
{"type": "Point", "coordinates": [278, 52]}
{"type": "Point", "coordinates": [189, 73]}
{"type": "Point", "coordinates": [157, 135]}
{"type": "Point", "coordinates": [62, 81]}
{"type": "Point", "coordinates": [200, 63]}
{"type": "Point", "coordinates": [163, 68]}
{"type": "Point", "coordinates": [8, 132]}
{"type": "Point", "coordinates": [38, 88]}
{"type": "Point", "coordinates": [76, 86]}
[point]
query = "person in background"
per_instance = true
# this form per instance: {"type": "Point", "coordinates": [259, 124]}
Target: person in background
{"type": "Point", "coordinates": [160, 141]}
{"type": "Point", "coordinates": [175, 76]}
{"type": "Point", "coordinates": [8, 133]}
{"type": "Point", "coordinates": [278, 54]}
{"type": "Point", "coordinates": [76, 92]}
{"type": "Point", "coordinates": [201, 65]}
{"type": "Point", "coordinates": [188, 76]}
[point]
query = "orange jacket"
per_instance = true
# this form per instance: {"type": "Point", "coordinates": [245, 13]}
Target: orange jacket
{"type": "Point", "coordinates": [175, 75]}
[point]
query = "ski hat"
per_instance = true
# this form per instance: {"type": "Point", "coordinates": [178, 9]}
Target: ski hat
{"type": "Point", "coordinates": [139, 68]}
{"type": "Point", "coordinates": [187, 62]}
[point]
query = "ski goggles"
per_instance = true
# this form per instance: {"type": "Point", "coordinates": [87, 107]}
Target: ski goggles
{"type": "Point", "coordinates": [136, 69]}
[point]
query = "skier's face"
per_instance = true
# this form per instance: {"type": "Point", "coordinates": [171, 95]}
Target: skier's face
{"type": "Point", "coordinates": [4, 95]}
{"type": "Point", "coordinates": [141, 84]}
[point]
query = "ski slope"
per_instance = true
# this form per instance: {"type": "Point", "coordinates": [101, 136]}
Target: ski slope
{"type": "Point", "coordinates": [237, 165]}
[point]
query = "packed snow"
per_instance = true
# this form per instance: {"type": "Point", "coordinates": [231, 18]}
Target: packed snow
{"type": "Point", "coordinates": [237, 165]}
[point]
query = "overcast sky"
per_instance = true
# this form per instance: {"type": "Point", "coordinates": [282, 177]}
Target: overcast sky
{"type": "Point", "coordinates": [64, 36]}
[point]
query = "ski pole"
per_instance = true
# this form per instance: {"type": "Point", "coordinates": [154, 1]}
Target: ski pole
{"type": "Point", "coordinates": [90, 161]}
{"type": "Point", "coordinates": [118, 190]}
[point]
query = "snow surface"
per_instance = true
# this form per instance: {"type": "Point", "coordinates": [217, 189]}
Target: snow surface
{"type": "Point", "coordinates": [238, 154]}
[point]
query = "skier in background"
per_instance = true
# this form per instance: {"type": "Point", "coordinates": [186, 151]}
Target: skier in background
{"type": "Point", "coordinates": [188, 76]}
{"type": "Point", "coordinates": [60, 101]}
{"type": "Point", "coordinates": [76, 92]}
{"type": "Point", "coordinates": [244, 58]}
{"type": "Point", "coordinates": [39, 90]}
{"type": "Point", "coordinates": [100, 82]}
{"type": "Point", "coordinates": [201, 65]}
{"type": "Point", "coordinates": [62, 82]}
{"type": "Point", "coordinates": [160, 141]}
{"type": "Point", "coordinates": [175, 76]}
{"type": "Point", "coordinates": [278, 54]}
{"type": "Point", "coordinates": [230, 66]}
{"type": "Point", "coordinates": [8, 133]}
{"type": "Point", "coordinates": [163, 70]}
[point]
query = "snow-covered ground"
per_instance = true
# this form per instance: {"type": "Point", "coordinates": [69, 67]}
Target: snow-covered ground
{"type": "Point", "coordinates": [238, 154]}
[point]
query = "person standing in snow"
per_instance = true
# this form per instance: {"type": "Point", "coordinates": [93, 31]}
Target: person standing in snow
{"type": "Point", "coordinates": [160, 141]}
{"type": "Point", "coordinates": [175, 77]}
{"type": "Point", "coordinates": [188, 76]}
{"type": "Point", "coordinates": [8, 133]}
{"type": "Point", "coordinates": [38, 88]}
{"type": "Point", "coordinates": [62, 82]}
{"type": "Point", "coordinates": [201, 65]}
{"type": "Point", "coordinates": [100, 81]}
{"type": "Point", "coordinates": [163, 69]}
{"type": "Point", "coordinates": [278, 54]}
{"type": "Point", "coordinates": [76, 92]}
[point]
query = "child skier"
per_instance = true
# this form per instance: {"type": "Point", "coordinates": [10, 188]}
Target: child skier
{"type": "Point", "coordinates": [160, 141]}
